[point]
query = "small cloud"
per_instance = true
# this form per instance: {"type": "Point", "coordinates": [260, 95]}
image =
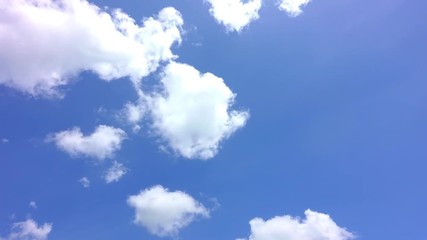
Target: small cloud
{"type": "Point", "coordinates": [163, 212]}
{"type": "Point", "coordinates": [101, 110]}
{"type": "Point", "coordinates": [314, 226]}
{"type": "Point", "coordinates": [33, 205]}
{"type": "Point", "coordinates": [115, 172]}
{"type": "Point", "coordinates": [134, 113]}
{"type": "Point", "coordinates": [235, 14]}
{"type": "Point", "coordinates": [85, 182]}
{"type": "Point", "coordinates": [292, 7]}
{"type": "Point", "coordinates": [100, 144]}
{"type": "Point", "coordinates": [4, 140]}
{"type": "Point", "coordinates": [29, 230]}
{"type": "Point", "coordinates": [197, 44]}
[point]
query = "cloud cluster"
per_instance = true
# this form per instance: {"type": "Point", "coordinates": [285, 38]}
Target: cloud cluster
{"type": "Point", "coordinates": [29, 230]}
{"type": "Point", "coordinates": [163, 212]}
{"type": "Point", "coordinates": [115, 172]}
{"type": "Point", "coordinates": [100, 144]}
{"type": "Point", "coordinates": [316, 226]}
{"type": "Point", "coordinates": [235, 14]}
{"type": "Point", "coordinates": [112, 45]}
{"type": "Point", "coordinates": [191, 112]}
{"type": "Point", "coordinates": [45, 43]}
{"type": "Point", "coordinates": [292, 7]}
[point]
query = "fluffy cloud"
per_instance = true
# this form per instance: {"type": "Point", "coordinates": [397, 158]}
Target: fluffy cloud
{"type": "Point", "coordinates": [29, 230]}
{"type": "Point", "coordinates": [235, 14]}
{"type": "Point", "coordinates": [85, 182]}
{"type": "Point", "coordinates": [101, 144]}
{"type": "Point", "coordinates": [316, 226]}
{"type": "Point", "coordinates": [191, 113]}
{"type": "Point", "coordinates": [115, 172]}
{"type": "Point", "coordinates": [47, 42]}
{"type": "Point", "coordinates": [163, 212]}
{"type": "Point", "coordinates": [292, 7]}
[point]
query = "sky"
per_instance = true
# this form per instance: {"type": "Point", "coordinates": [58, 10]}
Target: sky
{"type": "Point", "coordinates": [213, 119]}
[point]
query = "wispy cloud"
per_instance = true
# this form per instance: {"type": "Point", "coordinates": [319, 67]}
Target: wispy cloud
{"type": "Point", "coordinates": [29, 230]}
{"type": "Point", "coordinates": [85, 182]}
{"type": "Point", "coordinates": [115, 172]}
{"type": "Point", "coordinates": [32, 205]}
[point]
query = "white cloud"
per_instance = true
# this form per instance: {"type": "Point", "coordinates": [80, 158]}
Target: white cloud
{"type": "Point", "coordinates": [101, 144]}
{"type": "Point", "coordinates": [85, 182]}
{"type": "Point", "coordinates": [115, 172]}
{"type": "Point", "coordinates": [192, 113]}
{"type": "Point", "coordinates": [316, 226]}
{"type": "Point", "coordinates": [4, 140]}
{"type": "Point", "coordinates": [72, 36]}
{"type": "Point", "coordinates": [29, 230]}
{"type": "Point", "coordinates": [32, 205]}
{"type": "Point", "coordinates": [292, 7]}
{"type": "Point", "coordinates": [235, 14]}
{"type": "Point", "coordinates": [134, 113]}
{"type": "Point", "coordinates": [163, 212]}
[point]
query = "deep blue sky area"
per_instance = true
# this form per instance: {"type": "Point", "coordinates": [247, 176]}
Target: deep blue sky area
{"type": "Point", "coordinates": [338, 124]}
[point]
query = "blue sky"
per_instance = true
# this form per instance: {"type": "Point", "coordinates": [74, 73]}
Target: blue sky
{"type": "Point", "coordinates": [199, 121]}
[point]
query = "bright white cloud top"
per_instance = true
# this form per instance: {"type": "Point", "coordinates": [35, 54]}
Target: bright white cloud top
{"type": "Point", "coordinates": [100, 144]}
{"type": "Point", "coordinates": [292, 7]}
{"type": "Point", "coordinates": [29, 230]}
{"type": "Point", "coordinates": [235, 14]}
{"type": "Point", "coordinates": [316, 226]}
{"type": "Point", "coordinates": [192, 112]}
{"type": "Point", "coordinates": [111, 45]}
{"type": "Point", "coordinates": [115, 172]}
{"type": "Point", "coordinates": [165, 212]}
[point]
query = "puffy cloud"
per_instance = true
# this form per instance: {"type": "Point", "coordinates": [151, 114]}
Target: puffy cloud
{"type": "Point", "coordinates": [316, 226]}
{"type": "Point", "coordinates": [101, 144]}
{"type": "Point", "coordinates": [85, 182]}
{"type": "Point", "coordinates": [47, 42]}
{"type": "Point", "coordinates": [115, 172]}
{"type": "Point", "coordinates": [29, 230]}
{"type": "Point", "coordinates": [235, 14]}
{"type": "Point", "coordinates": [164, 212]}
{"type": "Point", "coordinates": [292, 7]}
{"type": "Point", "coordinates": [191, 113]}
